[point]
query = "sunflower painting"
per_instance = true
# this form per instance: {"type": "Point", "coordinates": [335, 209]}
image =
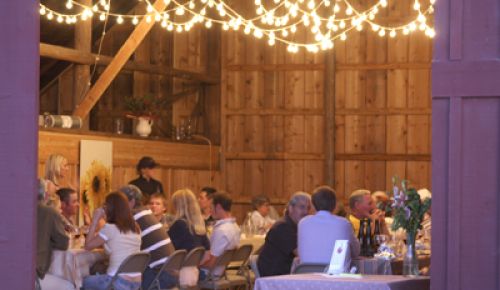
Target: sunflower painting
{"type": "Point", "coordinates": [95, 175]}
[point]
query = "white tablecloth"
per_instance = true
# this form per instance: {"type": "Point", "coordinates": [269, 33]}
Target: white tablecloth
{"type": "Point", "coordinates": [74, 264]}
{"type": "Point", "coordinates": [256, 241]}
{"type": "Point", "coordinates": [322, 282]}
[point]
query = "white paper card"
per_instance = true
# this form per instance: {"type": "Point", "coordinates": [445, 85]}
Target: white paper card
{"type": "Point", "coordinates": [340, 258]}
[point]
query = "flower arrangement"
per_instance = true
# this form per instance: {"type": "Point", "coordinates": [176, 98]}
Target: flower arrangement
{"type": "Point", "coordinates": [408, 210]}
{"type": "Point", "coordinates": [143, 106]}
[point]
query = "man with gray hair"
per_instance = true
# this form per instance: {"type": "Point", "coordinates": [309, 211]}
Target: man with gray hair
{"type": "Point", "coordinates": [363, 206]}
{"type": "Point", "coordinates": [280, 247]}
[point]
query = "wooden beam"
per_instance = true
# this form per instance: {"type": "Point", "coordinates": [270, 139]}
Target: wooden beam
{"type": "Point", "coordinates": [383, 157]}
{"type": "Point", "coordinates": [382, 66]}
{"type": "Point", "coordinates": [383, 111]}
{"type": "Point", "coordinates": [273, 112]}
{"type": "Point", "coordinates": [272, 156]}
{"type": "Point", "coordinates": [112, 70]}
{"type": "Point", "coordinates": [275, 67]}
{"type": "Point", "coordinates": [80, 57]}
{"type": "Point", "coordinates": [329, 101]}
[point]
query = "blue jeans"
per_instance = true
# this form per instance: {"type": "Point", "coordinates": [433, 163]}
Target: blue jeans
{"type": "Point", "coordinates": [166, 280]}
{"type": "Point", "coordinates": [101, 282]}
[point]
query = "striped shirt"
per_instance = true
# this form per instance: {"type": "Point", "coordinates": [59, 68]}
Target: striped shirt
{"type": "Point", "coordinates": [154, 238]}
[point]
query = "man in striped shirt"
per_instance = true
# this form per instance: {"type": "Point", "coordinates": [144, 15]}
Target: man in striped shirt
{"type": "Point", "coordinates": [154, 239]}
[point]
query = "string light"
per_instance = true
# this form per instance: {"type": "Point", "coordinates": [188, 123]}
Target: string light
{"type": "Point", "coordinates": [327, 20]}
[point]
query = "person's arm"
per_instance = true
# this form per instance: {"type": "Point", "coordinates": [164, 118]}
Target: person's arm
{"type": "Point", "coordinates": [353, 241]}
{"type": "Point", "coordinates": [93, 240]}
{"type": "Point", "coordinates": [58, 238]}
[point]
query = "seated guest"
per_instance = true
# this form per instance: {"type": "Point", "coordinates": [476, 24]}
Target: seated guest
{"type": "Point", "coordinates": [146, 183]}
{"type": "Point", "coordinates": [188, 230]}
{"type": "Point", "coordinates": [56, 171]}
{"type": "Point", "coordinates": [340, 209]}
{"type": "Point", "coordinates": [317, 233]}
{"type": "Point", "coordinates": [205, 200]}
{"type": "Point", "coordinates": [426, 222]}
{"type": "Point", "coordinates": [363, 207]}
{"type": "Point", "coordinates": [120, 237]}
{"type": "Point", "coordinates": [69, 207]}
{"type": "Point", "coordinates": [225, 235]}
{"type": "Point", "coordinates": [154, 239]}
{"type": "Point", "coordinates": [280, 247]}
{"type": "Point", "coordinates": [50, 236]}
{"type": "Point", "coordinates": [260, 216]}
{"type": "Point", "coordinates": [158, 205]}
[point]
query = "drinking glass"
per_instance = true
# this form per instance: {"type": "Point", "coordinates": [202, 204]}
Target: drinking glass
{"type": "Point", "coordinates": [119, 126]}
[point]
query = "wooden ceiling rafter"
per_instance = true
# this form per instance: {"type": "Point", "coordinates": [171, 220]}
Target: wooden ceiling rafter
{"type": "Point", "coordinates": [114, 67]}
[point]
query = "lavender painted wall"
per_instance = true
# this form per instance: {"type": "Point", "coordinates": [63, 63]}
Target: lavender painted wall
{"type": "Point", "coordinates": [466, 146]}
{"type": "Point", "coordinates": [19, 62]}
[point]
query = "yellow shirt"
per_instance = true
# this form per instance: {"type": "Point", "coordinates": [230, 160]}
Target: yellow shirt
{"type": "Point", "coordinates": [355, 224]}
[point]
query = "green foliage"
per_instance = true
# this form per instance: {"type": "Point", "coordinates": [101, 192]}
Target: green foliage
{"type": "Point", "coordinates": [146, 105]}
{"type": "Point", "coordinates": [408, 209]}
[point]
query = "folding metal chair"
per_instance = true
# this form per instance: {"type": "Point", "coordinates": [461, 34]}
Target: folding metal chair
{"type": "Point", "coordinates": [135, 263]}
{"type": "Point", "coordinates": [239, 262]}
{"type": "Point", "coordinates": [218, 280]}
{"type": "Point", "coordinates": [309, 268]}
{"type": "Point", "coordinates": [190, 266]}
{"type": "Point", "coordinates": [171, 266]}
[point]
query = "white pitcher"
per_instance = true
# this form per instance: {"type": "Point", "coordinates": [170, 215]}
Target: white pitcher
{"type": "Point", "coordinates": [143, 127]}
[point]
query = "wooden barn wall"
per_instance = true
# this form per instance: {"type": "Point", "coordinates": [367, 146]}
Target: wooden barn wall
{"type": "Point", "coordinates": [382, 108]}
{"type": "Point", "coordinates": [274, 113]}
{"type": "Point", "coordinates": [182, 165]}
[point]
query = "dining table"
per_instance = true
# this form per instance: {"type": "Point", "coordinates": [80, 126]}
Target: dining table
{"type": "Point", "coordinates": [74, 264]}
{"type": "Point", "coordinates": [321, 281]}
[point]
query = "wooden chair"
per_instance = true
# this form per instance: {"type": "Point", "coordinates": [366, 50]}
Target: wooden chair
{"type": "Point", "coordinates": [218, 280]}
{"type": "Point", "coordinates": [309, 268]}
{"type": "Point", "coordinates": [172, 266]}
{"type": "Point", "coordinates": [239, 262]}
{"type": "Point", "coordinates": [192, 259]}
{"type": "Point", "coordinates": [135, 263]}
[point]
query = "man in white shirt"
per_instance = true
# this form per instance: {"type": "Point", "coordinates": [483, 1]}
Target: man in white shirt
{"type": "Point", "coordinates": [225, 235]}
{"type": "Point", "coordinates": [317, 233]}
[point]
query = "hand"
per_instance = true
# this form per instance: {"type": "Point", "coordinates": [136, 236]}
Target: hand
{"type": "Point", "coordinates": [98, 214]}
{"type": "Point", "coordinates": [378, 214]}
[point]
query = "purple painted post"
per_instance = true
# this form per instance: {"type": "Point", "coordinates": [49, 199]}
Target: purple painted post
{"type": "Point", "coordinates": [19, 69]}
{"type": "Point", "coordinates": [466, 146]}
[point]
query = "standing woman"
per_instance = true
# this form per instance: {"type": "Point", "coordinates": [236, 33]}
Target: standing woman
{"type": "Point", "coordinates": [146, 183]}
{"type": "Point", "coordinates": [56, 169]}
{"type": "Point", "coordinates": [120, 237]}
{"type": "Point", "coordinates": [188, 230]}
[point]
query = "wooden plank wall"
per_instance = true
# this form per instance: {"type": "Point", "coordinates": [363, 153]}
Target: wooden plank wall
{"type": "Point", "coordinates": [382, 108]}
{"type": "Point", "coordinates": [273, 114]}
{"type": "Point", "coordinates": [182, 165]}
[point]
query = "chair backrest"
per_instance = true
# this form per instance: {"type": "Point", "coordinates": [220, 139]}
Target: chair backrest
{"type": "Point", "coordinates": [242, 254]}
{"type": "Point", "coordinates": [221, 264]}
{"type": "Point", "coordinates": [194, 257]}
{"type": "Point", "coordinates": [174, 262]}
{"type": "Point", "coordinates": [136, 262]}
{"type": "Point", "coordinates": [309, 268]}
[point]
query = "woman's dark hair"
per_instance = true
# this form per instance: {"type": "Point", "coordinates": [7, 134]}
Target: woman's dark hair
{"type": "Point", "coordinates": [118, 212]}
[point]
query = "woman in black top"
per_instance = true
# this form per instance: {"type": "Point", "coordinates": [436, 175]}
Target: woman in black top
{"type": "Point", "coordinates": [188, 230]}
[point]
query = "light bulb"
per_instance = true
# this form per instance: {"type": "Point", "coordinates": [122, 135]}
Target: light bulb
{"type": "Point", "coordinates": [102, 17]}
{"type": "Point", "coordinates": [69, 4]}
{"type": "Point", "coordinates": [43, 11]}
{"type": "Point", "coordinates": [392, 33]}
{"type": "Point", "coordinates": [343, 37]}
{"type": "Point", "coordinates": [208, 24]}
{"type": "Point", "coordinates": [381, 33]}
{"type": "Point", "coordinates": [135, 20]}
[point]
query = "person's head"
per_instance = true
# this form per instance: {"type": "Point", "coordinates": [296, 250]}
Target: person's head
{"type": "Point", "coordinates": [323, 198]}
{"type": "Point", "coordinates": [424, 194]}
{"type": "Point", "coordinates": [261, 204]}
{"type": "Point", "coordinates": [205, 197]}
{"type": "Point", "coordinates": [221, 205]}
{"type": "Point", "coordinates": [145, 166]}
{"type": "Point", "coordinates": [158, 204]}
{"type": "Point", "coordinates": [118, 212]}
{"type": "Point", "coordinates": [133, 194]}
{"type": "Point", "coordinates": [339, 209]}
{"type": "Point", "coordinates": [186, 207]}
{"type": "Point", "coordinates": [298, 206]}
{"type": "Point", "coordinates": [69, 201]}
{"type": "Point", "coordinates": [361, 203]}
{"type": "Point", "coordinates": [381, 199]}
{"type": "Point", "coordinates": [56, 168]}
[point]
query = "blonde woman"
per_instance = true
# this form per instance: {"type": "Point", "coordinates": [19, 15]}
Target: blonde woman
{"type": "Point", "coordinates": [56, 169]}
{"type": "Point", "coordinates": [188, 230]}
